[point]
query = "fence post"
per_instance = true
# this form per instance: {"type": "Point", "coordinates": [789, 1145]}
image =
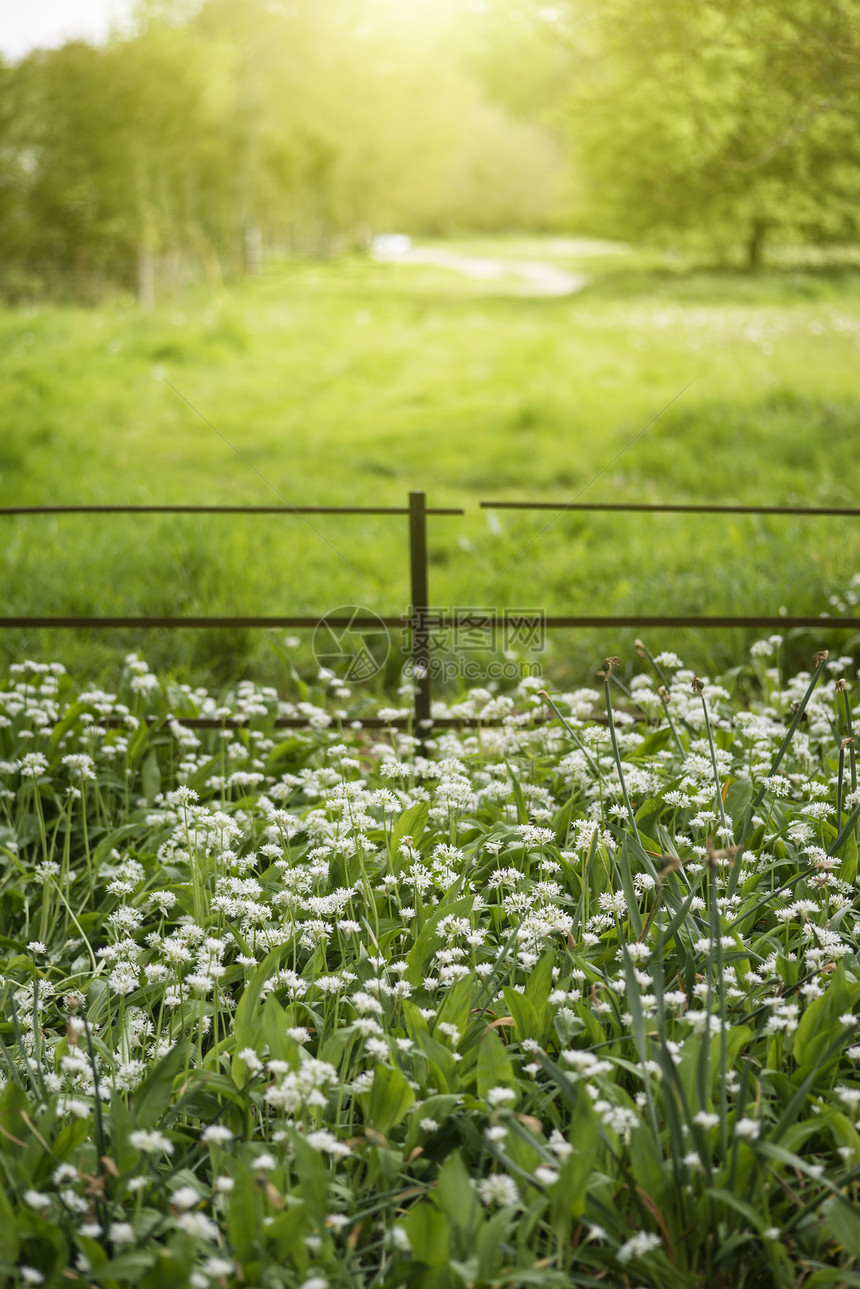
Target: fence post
{"type": "Point", "coordinates": [420, 629]}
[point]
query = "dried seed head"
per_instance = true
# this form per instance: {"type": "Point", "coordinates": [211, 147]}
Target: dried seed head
{"type": "Point", "coordinates": [663, 693]}
{"type": "Point", "coordinates": [841, 685]}
{"type": "Point", "coordinates": [639, 646]}
{"type": "Point", "coordinates": [608, 664]}
{"type": "Point", "coordinates": [846, 742]}
{"type": "Point", "coordinates": [698, 685]}
{"type": "Point", "coordinates": [727, 852]}
{"type": "Point", "coordinates": [821, 657]}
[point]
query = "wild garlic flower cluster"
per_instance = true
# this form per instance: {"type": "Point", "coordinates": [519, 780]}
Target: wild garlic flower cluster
{"type": "Point", "coordinates": [251, 983]}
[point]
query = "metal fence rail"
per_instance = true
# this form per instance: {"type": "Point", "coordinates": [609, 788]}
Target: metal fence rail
{"type": "Point", "coordinates": [670, 509]}
{"type": "Point", "coordinates": [422, 619]}
{"type": "Point", "coordinates": [417, 620]}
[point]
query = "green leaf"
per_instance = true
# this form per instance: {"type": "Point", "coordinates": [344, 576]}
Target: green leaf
{"type": "Point", "coordinates": [438, 1108]}
{"type": "Point", "coordinates": [411, 823]}
{"type": "Point", "coordinates": [625, 872]}
{"type": "Point", "coordinates": [819, 1025]}
{"type": "Point", "coordinates": [125, 1156]}
{"type": "Point", "coordinates": [645, 1163]}
{"type": "Point", "coordinates": [242, 1216]}
{"type": "Point", "coordinates": [526, 1020]}
{"type": "Point", "coordinates": [732, 1043]}
{"type": "Point", "coordinates": [150, 1101]}
{"type": "Point", "coordinates": [843, 1220]}
{"type": "Point", "coordinates": [539, 983]}
{"type": "Point", "coordinates": [443, 1071]}
{"type": "Point", "coordinates": [275, 1025]}
{"type": "Point", "coordinates": [9, 1240]}
{"type": "Point", "coordinates": [389, 1099]}
{"type": "Point", "coordinates": [70, 1137]}
{"type": "Point", "coordinates": [522, 809]}
{"type": "Point", "coordinates": [247, 1024]}
{"type": "Point", "coordinates": [69, 719]}
{"type": "Point", "coordinates": [428, 1234]}
{"type": "Point", "coordinates": [495, 1068]}
{"type": "Point", "coordinates": [13, 1104]}
{"type": "Point", "coordinates": [651, 744]}
{"type": "Point", "coordinates": [92, 1250]}
{"type": "Point", "coordinates": [740, 1206]}
{"type": "Point", "coordinates": [285, 1235]}
{"type": "Point", "coordinates": [314, 1177]}
{"type": "Point", "coordinates": [422, 950]}
{"type": "Point", "coordinates": [218, 1085]}
{"type": "Point", "coordinates": [172, 1266]}
{"type": "Point", "coordinates": [848, 871]}
{"type": "Point", "coordinates": [455, 1008]}
{"type": "Point", "coordinates": [128, 1266]}
{"type": "Point", "coordinates": [112, 839]}
{"type": "Point", "coordinates": [456, 1196]}
{"type": "Point", "coordinates": [846, 1137]}
{"type": "Point", "coordinates": [738, 797]}
{"type": "Point", "coordinates": [570, 1193]}
{"type": "Point", "coordinates": [490, 1242]}
{"type": "Point", "coordinates": [150, 776]}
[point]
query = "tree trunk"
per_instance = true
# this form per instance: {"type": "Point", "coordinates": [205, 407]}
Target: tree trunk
{"type": "Point", "coordinates": [253, 250]}
{"type": "Point", "coordinates": [755, 244]}
{"type": "Point", "coordinates": [145, 276]}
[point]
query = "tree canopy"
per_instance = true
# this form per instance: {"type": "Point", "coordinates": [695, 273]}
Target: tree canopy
{"type": "Point", "coordinates": [722, 120]}
{"type": "Point", "coordinates": [216, 128]}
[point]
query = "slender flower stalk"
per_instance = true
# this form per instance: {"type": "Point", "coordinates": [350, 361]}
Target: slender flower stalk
{"type": "Point", "coordinates": [663, 690]}
{"type": "Point", "coordinates": [842, 687]}
{"type": "Point", "coordinates": [820, 661]}
{"type": "Point", "coordinates": [699, 688]}
{"type": "Point", "coordinates": [592, 764]}
{"type": "Point", "coordinates": [608, 664]}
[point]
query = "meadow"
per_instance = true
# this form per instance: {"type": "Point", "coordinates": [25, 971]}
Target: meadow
{"type": "Point", "coordinates": [571, 1001]}
{"type": "Point", "coordinates": [352, 382]}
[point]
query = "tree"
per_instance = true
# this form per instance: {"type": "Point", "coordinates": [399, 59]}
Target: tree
{"type": "Point", "coordinates": [717, 119]}
{"type": "Point", "coordinates": [216, 129]}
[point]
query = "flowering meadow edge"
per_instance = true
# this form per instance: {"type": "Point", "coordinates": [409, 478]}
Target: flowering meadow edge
{"type": "Point", "coordinates": [568, 1002]}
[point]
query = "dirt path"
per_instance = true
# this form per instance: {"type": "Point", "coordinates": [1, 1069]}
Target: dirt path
{"type": "Point", "coordinates": [535, 277]}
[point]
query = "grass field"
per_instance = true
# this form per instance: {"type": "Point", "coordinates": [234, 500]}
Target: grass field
{"type": "Point", "coordinates": [354, 382]}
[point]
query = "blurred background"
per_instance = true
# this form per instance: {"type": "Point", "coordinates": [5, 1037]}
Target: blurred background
{"type": "Point", "coordinates": [329, 251]}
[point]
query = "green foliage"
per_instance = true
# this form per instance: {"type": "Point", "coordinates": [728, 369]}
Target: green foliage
{"type": "Point", "coordinates": [726, 124]}
{"type": "Point", "coordinates": [190, 145]}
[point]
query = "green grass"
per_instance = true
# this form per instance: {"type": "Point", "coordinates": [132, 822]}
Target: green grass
{"type": "Point", "coordinates": [353, 382]}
